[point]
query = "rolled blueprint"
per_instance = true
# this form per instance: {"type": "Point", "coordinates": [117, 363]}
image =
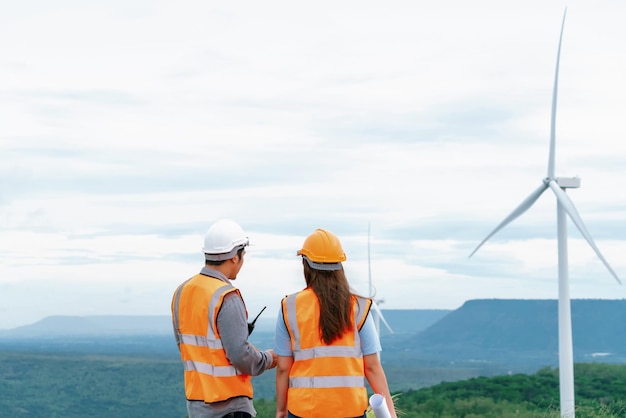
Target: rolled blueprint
{"type": "Point", "coordinates": [379, 406]}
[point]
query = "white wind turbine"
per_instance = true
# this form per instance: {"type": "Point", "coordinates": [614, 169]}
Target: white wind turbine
{"type": "Point", "coordinates": [564, 207]}
{"type": "Point", "coordinates": [377, 314]}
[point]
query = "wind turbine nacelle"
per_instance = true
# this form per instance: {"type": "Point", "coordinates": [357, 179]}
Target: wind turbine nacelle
{"type": "Point", "coordinates": [568, 182]}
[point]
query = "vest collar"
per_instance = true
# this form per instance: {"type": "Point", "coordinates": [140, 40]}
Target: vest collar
{"type": "Point", "coordinates": [206, 271]}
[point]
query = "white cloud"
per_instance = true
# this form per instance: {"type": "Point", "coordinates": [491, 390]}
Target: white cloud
{"type": "Point", "coordinates": [129, 127]}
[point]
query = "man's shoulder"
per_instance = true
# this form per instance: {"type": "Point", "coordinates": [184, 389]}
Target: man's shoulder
{"type": "Point", "coordinates": [232, 297]}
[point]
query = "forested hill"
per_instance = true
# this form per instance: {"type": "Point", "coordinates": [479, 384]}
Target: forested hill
{"type": "Point", "coordinates": [488, 329]}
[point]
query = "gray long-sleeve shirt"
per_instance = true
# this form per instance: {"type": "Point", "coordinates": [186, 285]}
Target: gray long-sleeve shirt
{"type": "Point", "coordinates": [233, 328]}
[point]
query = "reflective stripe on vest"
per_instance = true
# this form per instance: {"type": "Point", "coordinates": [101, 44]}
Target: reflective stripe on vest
{"type": "Point", "coordinates": [319, 368]}
{"type": "Point", "coordinates": [197, 340]}
{"type": "Point", "coordinates": [326, 382]}
{"type": "Point", "coordinates": [209, 375]}
{"type": "Point", "coordinates": [206, 368]}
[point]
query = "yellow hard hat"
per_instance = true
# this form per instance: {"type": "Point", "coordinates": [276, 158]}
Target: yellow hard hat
{"type": "Point", "coordinates": [322, 251]}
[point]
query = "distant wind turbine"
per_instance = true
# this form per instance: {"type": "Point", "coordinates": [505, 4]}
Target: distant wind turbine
{"type": "Point", "coordinates": [564, 207]}
{"type": "Point", "coordinates": [377, 314]}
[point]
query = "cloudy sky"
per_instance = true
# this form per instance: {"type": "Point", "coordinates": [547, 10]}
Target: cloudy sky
{"type": "Point", "coordinates": [128, 127]}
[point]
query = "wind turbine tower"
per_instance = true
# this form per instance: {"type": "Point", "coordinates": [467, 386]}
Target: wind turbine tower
{"type": "Point", "coordinates": [377, 313]}
{"type": "Point", "coordinates": [565, 207]}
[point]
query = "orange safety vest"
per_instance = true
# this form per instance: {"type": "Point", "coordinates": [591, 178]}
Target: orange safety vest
{"type": "Point", "coordinates": [324, 380]}
{"type": "Point", "coordinates": [209, 375]}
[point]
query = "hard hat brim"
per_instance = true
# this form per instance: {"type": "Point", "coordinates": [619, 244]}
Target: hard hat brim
{"type": "Point", "coordinates": [323, 266]}
{"type": "Point", "coordinates": [224, 256]}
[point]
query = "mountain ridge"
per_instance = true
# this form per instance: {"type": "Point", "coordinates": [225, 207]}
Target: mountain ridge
{"type": "Point", "coordinates": [504, 331]}
{"type": "Point", "coordinates": [508, 329]}
{"type": "Point", "coordinates": [401, 320]}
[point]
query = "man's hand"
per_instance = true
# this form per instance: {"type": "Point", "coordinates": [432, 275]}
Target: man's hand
{"type": "Point", "coordinates": [274, 358]}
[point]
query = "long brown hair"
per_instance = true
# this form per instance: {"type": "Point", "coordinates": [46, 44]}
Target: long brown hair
{"type": "Point", "coordinates": [333, 293]}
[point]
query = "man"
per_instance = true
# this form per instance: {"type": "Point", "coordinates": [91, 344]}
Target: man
{"type": "Point", "coordinates": [211, 330]}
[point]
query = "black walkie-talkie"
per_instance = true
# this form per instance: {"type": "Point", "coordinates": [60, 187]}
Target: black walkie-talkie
{"type": "Point", "coordinates": [251, 324]}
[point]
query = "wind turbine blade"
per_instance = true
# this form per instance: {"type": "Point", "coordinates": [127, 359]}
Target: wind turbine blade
{"type": "Point", "coordinates": [554, 94]}
{"type": "Point", "coordinates": [380, 315]}
{"type": "Point", "coordinates": [523, 207]}
{"type": "Point", "coordinates": [569, 207]}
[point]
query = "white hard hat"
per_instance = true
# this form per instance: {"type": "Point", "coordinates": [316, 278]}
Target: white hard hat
{"type": "Point", "coordinates": [223, 239]}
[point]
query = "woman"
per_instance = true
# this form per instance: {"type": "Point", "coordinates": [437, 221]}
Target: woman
{"type": "Point", "coordinates": [326, 341]}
